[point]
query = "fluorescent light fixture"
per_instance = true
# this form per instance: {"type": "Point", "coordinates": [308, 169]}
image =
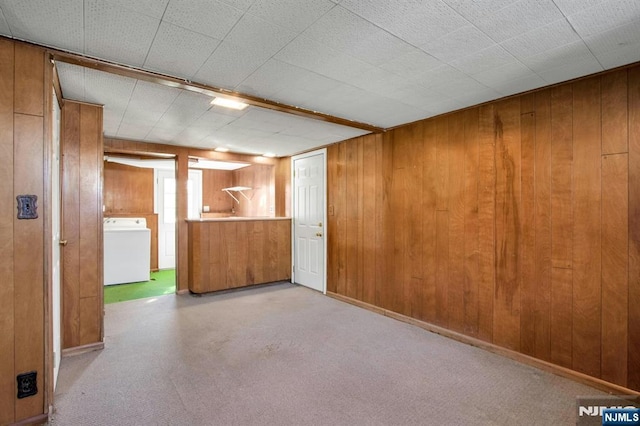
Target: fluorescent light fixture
{"type": "Point", "coordinates": [229, 103]}
{"type": "Point", "coordinates": [215, 165]}
{"type": "Point", "coordinates": [222, 149]}
{"type": "Point", "coordinates": [269, 155]}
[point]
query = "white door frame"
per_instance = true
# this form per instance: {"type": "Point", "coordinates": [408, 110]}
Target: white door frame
{"type": "Point", "coordinates": [323, 152]}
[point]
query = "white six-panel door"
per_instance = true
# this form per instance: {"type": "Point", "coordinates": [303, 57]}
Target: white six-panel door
{"type": "Point", "coordinates": [309, 220]}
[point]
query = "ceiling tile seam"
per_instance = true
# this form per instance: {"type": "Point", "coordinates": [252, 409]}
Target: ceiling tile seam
{"type": "Point", "coordinates": [579, 36]}
{"type": "Point", "coordinates": [283, 47]}
{"type": "Point", "coordinates": [222, 41]}
{"type": "Point", "coordinates": [5, 21]}
{"type": "Point", "coordinates": [400, 38]}
{"type": "Point", "coordinates": [152, 41]}
{"type": "Point", "coordinates": [128, 103]}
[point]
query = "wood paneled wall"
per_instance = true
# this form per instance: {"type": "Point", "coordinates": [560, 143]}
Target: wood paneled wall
{"type": "Point", "coordinates": [516, 222]}
{"type": "Point", "coordinates": [25, 95]}
{"type": "Point", "coordinates": [82, 271]}
{"type": "Point", "coordinates": [128, 192]}
{"type": "Point", "coordinates": [238, 253]}
{"type": "Point", "coordinates": [261, 179]}
{"type": "Point", "coordinates": [283, 187]}
{"type": "Point", "coordinates": [212, 195]}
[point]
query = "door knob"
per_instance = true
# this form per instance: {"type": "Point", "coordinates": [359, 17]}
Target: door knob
{"type": "Point", "coordinates": [318, 234]}
{"type": "Point", "coordinates": [63, 242]}
{"type": "Point", "coordinates": [320, 224]}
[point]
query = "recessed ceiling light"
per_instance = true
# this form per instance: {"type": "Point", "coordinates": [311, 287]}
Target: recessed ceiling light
{"type": "Point", "coordinates": [222, 149]}
{"type": "Point", "coordinates": [269, 155]}
{"type": "Point", "coordinates": [229, 103]}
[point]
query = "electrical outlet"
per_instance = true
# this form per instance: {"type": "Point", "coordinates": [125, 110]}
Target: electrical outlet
{"type": "Point", "coordinates": [27, 384]}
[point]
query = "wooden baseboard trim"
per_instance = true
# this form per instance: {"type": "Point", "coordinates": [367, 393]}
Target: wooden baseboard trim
{"type": "Point", "coordinates": [40, 419]}
{"type": "Point", "coordinates": [508, 353]}
{"type": "Point", "coordinates": [78, 350]}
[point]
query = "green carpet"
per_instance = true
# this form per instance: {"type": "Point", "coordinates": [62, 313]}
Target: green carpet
{"type": "Point", "coordinates": [162, 282]}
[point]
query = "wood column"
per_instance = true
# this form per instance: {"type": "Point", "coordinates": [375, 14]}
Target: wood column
{"type": "Point", "coordinates": [82, 270]}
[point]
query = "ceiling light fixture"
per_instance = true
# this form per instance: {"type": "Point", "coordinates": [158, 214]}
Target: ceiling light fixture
{"type": "Point", "coordinates": [269, 155]}
{"type": "Point", "coordinates": [229, 103]}
{"type": "Point", "coordinates": [221, 149]}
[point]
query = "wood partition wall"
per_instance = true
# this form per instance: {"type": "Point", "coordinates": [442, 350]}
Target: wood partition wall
{"type": "Point", "coordinates": [516, 222]}
{"type": "Point", "coordinates": [128, 192]}
{"type": "Point", "coordinates": [82, 256]}
{"type": "Point", "coordinates": [25, 102]}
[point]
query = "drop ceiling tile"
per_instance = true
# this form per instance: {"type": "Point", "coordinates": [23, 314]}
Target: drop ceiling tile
{"type": "Point", "coordinates": [243, 5]}
{"type": "Point", "coordinates": [569, 7]}
{"type": "Point", "coordinates": [71, 81]}
{"type": "Point", "coordinates": [313, 56]}
{"type": "Point", "coordinates": [474, 9]}
{"type": "Point", "coordinates": [117, 34]}
{"type": "Point", "coordinates": [187, 108]}
{"type": "Point", "coordinates": [211, 120]}
{"type": "Point", "coordinates": [412, 65]}
{"type": "Point", "coordinates": [179, 52]}
{"type": "Point", "coordinates": [132, 131]}
{"type": "Point", "coordinates": [558, 57]}
{"type": "Point", "coordinates": [460, 87]}
{"type": "Point", "coordinates": [457, 44]}
{"type": "Point", "coordinates": [228, 66]}
{"type": "Point", "coordinates": [271, 78]}
{"type": "Point", "coordinates": [151, 97]}
{"type": "Point", "coordinates": [483, 60]}
{"type": "Point", "coordinates": [511, 87]}
{"type": "Point", "coordinates": [153, 8]}
{"type": "Point", "coordinates": [413, 21]}
{"type": "Point", "coordinates": [605, 16]}
{"type": "Point", "coordinates": [350, 34]}
{"type": "Point", "coordinates": [296, 15]}
{"type": "Point", "coordinates": [108, 89]}
{"type": "Point", "coordinates": [443, 74]}
{"type": "Point", "coordinates": [541, 39]}
{"type": "Point", "coordinates": [571, 69]}
{"type": "Point", "coordinates": [518, 18]}
{"type": "Point", "coordinates": [620, 46]}
{"type": "Point", "coordinates": [250, 44]}
{"type": "Point", "coordinates": [479, 96]}
{"type": "Point", "coordinates": [4, 27]}
{"type": "Point", "coordinates": [209, 17]}
{"type": "Point", "coordinates": [495, 76]}
{"type": "Point", "coordinates": [51, 23]}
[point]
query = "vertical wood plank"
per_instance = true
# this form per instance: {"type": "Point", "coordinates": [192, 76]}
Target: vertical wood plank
{"type": "Point", "coordinates": [429, 173]}
{"type": "Point", "coordinates": [486, 222]}
{"type": "Point", "coordinates": [586, 198]}
{"type": "Point", "coordinates": [228, 249]}
{"type": "Point", "coordinates": [543, 224]}
{"type": "Point", "coordinates": [615, 122]}
{"type": "Point", "coordinates": [340, 212]}
{"type": "Point", "coordinates": [399, 239]}
{"type": "Point", "coordinates": [182, 237]}
{"type": "Point", "coordinates": [369, 219]}
{"type": "Point", "coordinates": [7, 206]}
{"type": "Point", "coordinates": [527, 272]}
{"type": "Point", "coordinates": [217, 273]}
{"type": "Point", "coordinates": [561, 317]}
{"type": "Point", "coordinates": [28, 254]}
{"type": "Point", "coordinates": [70, 183]}
{"type": "Point", "coordinates": [256, 248]}
{"type": "Point", "coordinates": [332, 234]}
{"type": "Point", "coordinates": [352, 262]}
{"type": "Point", "coordinates": [455, 298]}
{"type": "Point", "coordinates": [90, 320]}
{"type": "Point", "coordinates": [382, 221]}
{"type": "Point", "coordinates": [90, 235]}
{"type": "Point", "coordinates": [615, 267]}
{"type": "Point", "coordinates": [283, 228]}
{"type": "Point", "coordinates": [471, 228]}
{"type": "Point", "coordinates": [561, 226]}
{"type": "Point", "coordinates": [634, 229]}
{"type": "Point", "coordinates": [506, 326]}
{"type": "Point", "coordinates": [29, 82]}
{"type": "Point", "coordinates": [361, 219]}
{"type": "Point", "coordinates": [442, 267]}
{"type": "Point", "coordinates": [442, 161]}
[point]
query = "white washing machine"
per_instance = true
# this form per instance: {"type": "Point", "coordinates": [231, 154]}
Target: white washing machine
{"type": "Point", "coordinates": [127, 250]}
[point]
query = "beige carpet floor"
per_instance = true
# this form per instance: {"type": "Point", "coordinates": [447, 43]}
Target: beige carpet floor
{"type": "Point", "coordinates": [286, 355]}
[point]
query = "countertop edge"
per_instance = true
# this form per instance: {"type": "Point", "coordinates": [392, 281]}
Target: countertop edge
{"type": "Point", "coordinates": [235, 219]}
